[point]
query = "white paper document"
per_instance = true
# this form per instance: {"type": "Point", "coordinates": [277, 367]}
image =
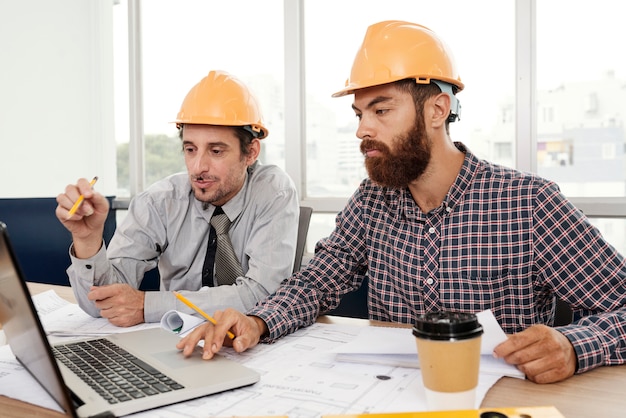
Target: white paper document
{"type": "Point", "coordinates": [300, 377]}
{"type": "Point", "coordinates": [396, 346]}
{"type": "Point", "coordinates": [62, 319]}
{"type": "Point", "coordinates": [300, 374]}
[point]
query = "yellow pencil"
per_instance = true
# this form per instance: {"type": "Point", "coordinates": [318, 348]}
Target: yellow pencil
{"type": "Point", "coordinates": [201, 312]}
{"type": "Point", "coordinates": [80, 200]}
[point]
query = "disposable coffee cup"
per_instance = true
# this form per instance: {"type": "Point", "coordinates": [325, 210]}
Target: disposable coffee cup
{"type": "Point", "coordinates": [448, 348]}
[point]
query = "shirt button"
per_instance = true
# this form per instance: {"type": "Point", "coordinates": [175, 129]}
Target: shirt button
{"type": "Point", "coordinates": [431, 230]}
{"type": "Point", "coordinates": [448, 209]}
{"type": "Point", "coordinates": [430, 281]}
{"type": "Point", "coordinates": [88, 266]}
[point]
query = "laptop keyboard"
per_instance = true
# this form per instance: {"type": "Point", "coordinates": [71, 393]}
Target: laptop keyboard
{"type": "Point", "coordinates": [114, 373]}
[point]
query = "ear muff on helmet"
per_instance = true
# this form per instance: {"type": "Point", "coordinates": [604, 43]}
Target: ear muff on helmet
{"type": "Point", "coordinates": [455, 105]}
{"type": "Point", "coordinates": [221, 99]}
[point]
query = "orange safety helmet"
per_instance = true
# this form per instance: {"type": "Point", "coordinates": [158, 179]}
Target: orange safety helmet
{"type": "Point", "coordinates": [221, 99]}
{"type": "Point", "coordinates": [395, 50]}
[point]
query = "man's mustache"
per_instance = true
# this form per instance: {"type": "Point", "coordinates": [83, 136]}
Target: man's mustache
{"type": "Point", "coordinates": [372, 144]}
{"type": "Point", "coordinates": [204, 178]}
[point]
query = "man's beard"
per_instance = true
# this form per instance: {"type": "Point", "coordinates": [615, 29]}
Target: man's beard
{"type": "Point", "coordinates": [406, 163]}
{"type": "Point", "coordinates": [199, 193]}
{"type": "Point", "coordinates": [207, 202]}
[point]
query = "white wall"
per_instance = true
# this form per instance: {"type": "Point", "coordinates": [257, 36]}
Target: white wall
{"type": "Point", "coordinates": [56, 96]}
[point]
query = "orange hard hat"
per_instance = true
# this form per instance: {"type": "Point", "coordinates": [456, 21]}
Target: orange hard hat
{"type": "Point", "coordinates": [395, 50]}
{"type": "Point", "coordinates": [221, 99]}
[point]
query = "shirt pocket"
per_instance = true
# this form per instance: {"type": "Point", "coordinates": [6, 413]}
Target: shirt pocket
{"type": "Point", "coordinates": [508, 297]}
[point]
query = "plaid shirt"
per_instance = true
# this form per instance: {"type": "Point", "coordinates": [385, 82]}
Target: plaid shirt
{"type": "Point", "coordinates": [501, 240]}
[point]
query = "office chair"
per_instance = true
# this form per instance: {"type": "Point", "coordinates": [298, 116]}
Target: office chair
{"type": "Point", "coordinates": [303, 230]}
{"type": "Point", "coordinates": [563, 314]}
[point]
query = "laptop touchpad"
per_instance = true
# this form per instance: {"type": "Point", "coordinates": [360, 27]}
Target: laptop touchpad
{"type": "Point", "coordinates": [175, 359]}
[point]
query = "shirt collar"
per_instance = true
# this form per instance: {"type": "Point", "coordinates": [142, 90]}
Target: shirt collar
{"type": "Point", "coordinates": [470, 168]}
{"type": "Point", "coordinates": [234, 206]}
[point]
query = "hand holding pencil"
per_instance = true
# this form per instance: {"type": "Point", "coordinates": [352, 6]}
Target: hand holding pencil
{"type": "Point", "coordinates": [80, 199]}
{"type": "Point", "coordinates": [201, 312]}
{"type": "Point", "coordinates": [83, 212]}
{"type": "Point", "coordinates": [249, 330]}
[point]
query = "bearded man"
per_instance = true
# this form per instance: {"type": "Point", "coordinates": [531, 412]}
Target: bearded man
{"type": "Point", "coordinates": [434, 228]}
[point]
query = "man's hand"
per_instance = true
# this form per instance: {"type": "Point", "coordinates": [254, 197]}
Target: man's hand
{"type": "Point", "coordinates": [541, 352]}
{"type": "Point", "coordinates": [87, 224]}
{"type": "Point", "coordinates": [121, 304]}
{"type": "Point", "coordinates": [247, 329]}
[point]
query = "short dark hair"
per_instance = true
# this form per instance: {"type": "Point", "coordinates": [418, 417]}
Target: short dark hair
{"type": "Point", "coordinates": [244, 135]}
{"type": "Point", "coordinates": [420, 93]}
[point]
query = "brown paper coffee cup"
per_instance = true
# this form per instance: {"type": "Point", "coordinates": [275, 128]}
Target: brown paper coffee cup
{"type": "Point", "coordinates": [448, 346]}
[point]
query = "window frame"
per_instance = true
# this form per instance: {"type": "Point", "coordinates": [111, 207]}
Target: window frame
{"type": "Point", "coordinates": [295, 109]}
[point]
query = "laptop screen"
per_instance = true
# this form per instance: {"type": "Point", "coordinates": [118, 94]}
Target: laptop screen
{"type": "Point", "coordinates": [22, 327]}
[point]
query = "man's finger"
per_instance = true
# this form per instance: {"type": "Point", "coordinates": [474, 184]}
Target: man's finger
{"type": "Point", "coordinates": [515, 342]}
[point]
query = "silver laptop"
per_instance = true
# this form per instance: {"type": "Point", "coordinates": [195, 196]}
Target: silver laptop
{"type": "Point", "coordinates": [155, 373]}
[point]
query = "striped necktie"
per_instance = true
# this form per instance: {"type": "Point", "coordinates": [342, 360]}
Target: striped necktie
{"type": "Point", "coordinates": [227, 266]}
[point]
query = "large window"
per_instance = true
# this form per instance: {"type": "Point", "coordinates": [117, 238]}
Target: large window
{"type": "Point", "coordinates": [300, 51]}
{"type": "Point", "coordinates": [180, 42]}
{"type": "Point", "coordinates": [581, 102]}
{"type": "Point", "coordinates": [581, 96]}
{"type": "Point", "coordinates": [485, 57]}
{"type": "Point", "coordinates": [63, 59]}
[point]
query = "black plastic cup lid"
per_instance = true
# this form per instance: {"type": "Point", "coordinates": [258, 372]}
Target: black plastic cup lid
{"type": "Point", "coordinates": [445, 325]}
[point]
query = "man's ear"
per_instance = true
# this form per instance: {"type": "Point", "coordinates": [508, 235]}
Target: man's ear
{"type": "Point", "coordinates": [441, 109]}
{"type": "Point", "coordinates": [255, 150]}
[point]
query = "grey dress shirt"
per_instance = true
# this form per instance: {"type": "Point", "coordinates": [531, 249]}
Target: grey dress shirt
{"type": "Point", "coordinates": [166, 227]}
